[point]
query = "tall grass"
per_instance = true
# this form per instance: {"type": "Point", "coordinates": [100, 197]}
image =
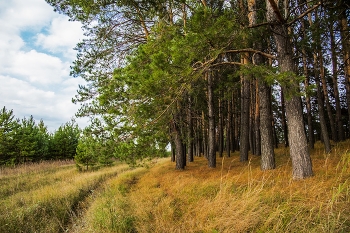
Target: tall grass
{"type": "Point", "coordinates": [235, 197]}
{"type": "Point", "coordinates": [44, 199]}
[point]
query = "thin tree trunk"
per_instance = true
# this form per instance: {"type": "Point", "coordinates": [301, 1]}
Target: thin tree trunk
{"type": "Point", "coordinates": [326, 98]}
{"type": "Point", "coordinates": [237, 123]}
{"type": "Point", "coordinates": [283, 119]}
{"type": "Point", "coordinates": [310, 127]}
{"type": "Point", "coordinates": [338, 115]}
{"type": "Point", "coordinates": [252, 139]}
{"type": "Point", "coordinates": [345, 39]}
{"type": "Point", "coordinates": [211, 123]}
{"type": "Point", "coordinates": [172, 152]}
{"type": "Point", "coordinates": [228, 128]}
{"type": "Point", "coordinates": [221, 129]}
{"type": "Point", "coordinates": [189, 131]}
{"type": "Point", "coordinates": [244, 138]}
{"type": "Point", "coordinates": [324, 131]}
{"type": "Point", "coordinates": [257, 124]}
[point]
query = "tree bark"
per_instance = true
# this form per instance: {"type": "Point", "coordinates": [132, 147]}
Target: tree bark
{"type": "Point", "coordinates": [228, 128]}
{"type": "Point", "coordinates": [310, 127]}
{"type": "Point", "coordinates": [179, 158]}
{"type": "Point", "coordinates": [211, 123]}
{"type": "Point", "coordinates": [221, 129]}
{"type": "Point", "coordinates": [244, 138]}
{"type": "Point", "coordinates": [326, 98]}
{"type": "Point", "coordinates": [301, 160]}
{"type": "Point", "coordinates": [324, 131]}
{"type": "Point", "coordinates": [283, 119]}
{"type": "Point", "coordinates": [257, 121]}
{"type": "Point", "coordinates": [338, 115]}
{"type": "Point", "coordinates": [267, 145]}
{"type": "Point", "coordinates": [189, 131]}
{"type": "Point", "coordinates": [345, 35]}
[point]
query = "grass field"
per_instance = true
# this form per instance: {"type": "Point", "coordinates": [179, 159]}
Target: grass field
{"type": "Point", "coordinates": [234, 197]}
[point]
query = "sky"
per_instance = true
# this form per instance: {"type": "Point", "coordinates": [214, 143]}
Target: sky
{"type": "Point", "coordinates": [36, 51]}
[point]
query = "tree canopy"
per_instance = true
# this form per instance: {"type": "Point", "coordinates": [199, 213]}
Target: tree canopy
{"type": "Point", "coordinates": [208, 75]}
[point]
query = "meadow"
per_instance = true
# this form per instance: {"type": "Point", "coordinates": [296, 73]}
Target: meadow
{"type": "Point", "coordinates": [234, 197]}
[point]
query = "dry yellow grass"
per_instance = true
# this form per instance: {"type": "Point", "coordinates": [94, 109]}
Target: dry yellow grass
{"type": "Point", "coordinates": [234, 197]}
{"type": "Point", "coordinates": [45, 200]}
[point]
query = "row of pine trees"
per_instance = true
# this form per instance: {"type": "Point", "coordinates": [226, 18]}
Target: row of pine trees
{"type": "Point", "coordinates": [214, 76]}
{"type": "Point", "coordinates": [24, 140]}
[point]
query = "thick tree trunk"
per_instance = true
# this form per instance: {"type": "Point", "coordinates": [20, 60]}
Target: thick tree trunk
{"type": "Point", "coordinates": [179, 158]}
{"type": "Point", "coordinates": [267, 146]}
{"type": "Point", "coordinates": [301, 160]}
{"type": "Point", "coordinates": [211, 123]}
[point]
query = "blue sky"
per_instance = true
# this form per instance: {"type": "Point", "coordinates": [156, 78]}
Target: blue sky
{"type": "Point", "coordinates": [36, 51]}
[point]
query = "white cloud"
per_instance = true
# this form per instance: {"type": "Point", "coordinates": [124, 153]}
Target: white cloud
{"type": "Point", "coordinates": [39, 68]}
{"type": "Point", "coordinates": [29, 13]}
{"type": "Point", "coordinates": [62, 36]}
{"type": "Point", "coordinates": [34, 77]}
{"type": "Point", "coordinates": [55, 108]}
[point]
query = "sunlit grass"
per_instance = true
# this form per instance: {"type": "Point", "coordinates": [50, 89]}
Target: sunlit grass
{"type": "Point", "coordinates": [234, 197]}
{"type": "Point", "coordinates": [44, 201]}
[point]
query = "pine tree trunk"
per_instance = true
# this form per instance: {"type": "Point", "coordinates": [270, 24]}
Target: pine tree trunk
{"type": "Point", "coordinates": [284, 121]}
{"type": "Point", "coordinates": [324, 131]}
{"type": "Point", "coordinates": [257, 123]}
{"type": "Point", "coordinates": [237, 122]}
{"type": "Point", "coordinates": [326, 98]}
{"type": "Point", "coordinates": [267, 146]}
{"type": "Point", "coordinates": [179, 158]}
{"type": "Point", "coordinates": [338, 115]}
{"type": "Point", "coordinates": [310, 127]}
{"type": "Point", "coordinates": [221, 129]}
{"type": "Point", "coordinates": [228, 129]}
{"type": "Point", "coordinates": [345, 35]}
{"type": "Point", "coordinates": [252, 119]}
{"type": "Point", "coordinates": [211, 123]}
{"type": "Point", "coordinates": [173, 152]}
{"type": "Point", "coordinates": [189, 131]}
{"type": "Point", "coordinates": [301, 160]}
{"type": "Point", "coordinates": [244, 138]}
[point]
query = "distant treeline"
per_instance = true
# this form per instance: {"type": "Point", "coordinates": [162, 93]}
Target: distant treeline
{"type": "Point", "coordinates": [24, 140]}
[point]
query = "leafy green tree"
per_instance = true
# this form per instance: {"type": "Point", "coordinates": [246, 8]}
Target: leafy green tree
{"type": "Point", "coordinates": [43, 140]}
{"type": "Point", "coordinates": [27, 143]}
{"type": "Point", "coordinates": [86, 153]}
{"type": "Point", "coordinates": [64, 141]}
{"type": "Point", "coordinates": [8, 128]}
